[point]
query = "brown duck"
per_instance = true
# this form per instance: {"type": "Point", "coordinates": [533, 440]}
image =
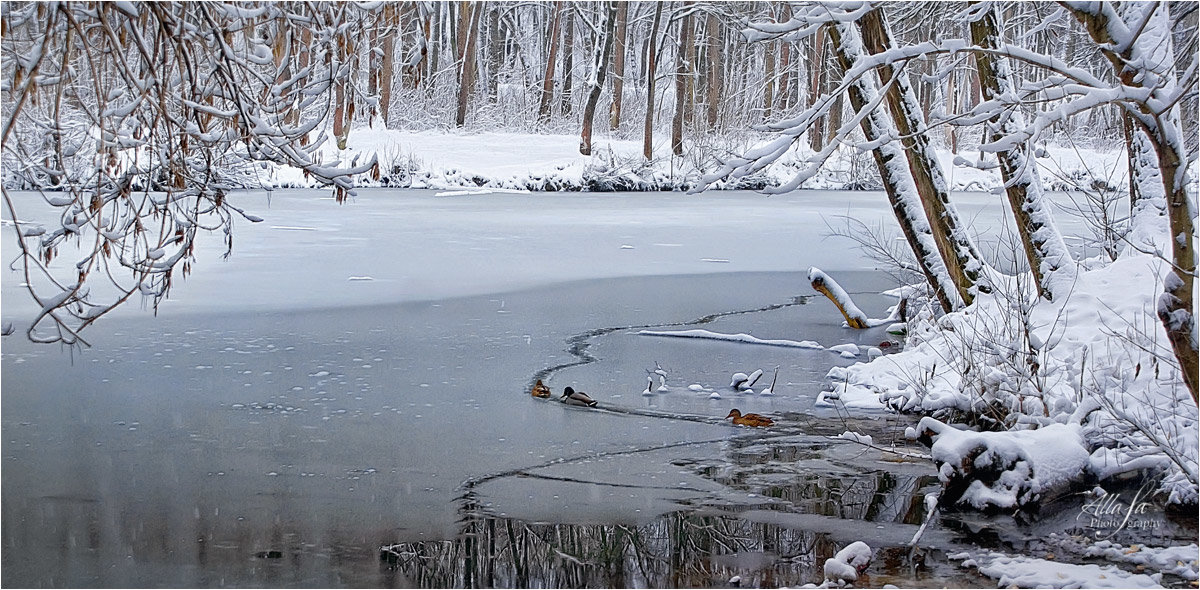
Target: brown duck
{"type": "Point", "coordinates": [749, 419]}
{"type": "Point", "coordinates": [540, 390]}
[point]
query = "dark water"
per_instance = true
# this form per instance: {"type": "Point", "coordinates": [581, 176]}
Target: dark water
{"type": "Point", "coordinates": [287, 448]}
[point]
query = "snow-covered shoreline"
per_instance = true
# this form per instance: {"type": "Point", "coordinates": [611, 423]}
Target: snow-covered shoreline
{"type": "Point", "coordinates": [551, 162]}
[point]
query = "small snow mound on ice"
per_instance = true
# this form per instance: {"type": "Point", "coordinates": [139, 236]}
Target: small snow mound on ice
{"type": "Point", "coordinates": [856, 437]}
{"type": "Point", "coordinates": [744, 338]}
{"type": "Point", "coordinates": [845, 349]}
{"type": "Point", "coordinates": [696, 387]}
{"type": "Point", "coordinates": [1180, 561]}
{"type": "Point", "coordinates": [852, 560]}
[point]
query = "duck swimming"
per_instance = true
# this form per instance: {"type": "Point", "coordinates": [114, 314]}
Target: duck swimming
{"type": "Point", "coordinates": [749, 419]}
{"type": "Point", "coordinates": [540, 390]}
{"type": "Point", "coordinates": [577, 398]}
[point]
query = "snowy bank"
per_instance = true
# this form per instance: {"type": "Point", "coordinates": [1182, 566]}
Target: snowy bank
{"type": "Point", "coordinates": [1096, 357]}
{"type": "Point", "coordinates": [552, 162]}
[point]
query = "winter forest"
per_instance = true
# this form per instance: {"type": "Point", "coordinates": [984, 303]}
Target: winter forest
{"type": "Point", "coordinates": [341, 253]}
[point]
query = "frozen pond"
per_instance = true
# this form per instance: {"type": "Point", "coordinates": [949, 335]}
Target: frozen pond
{"type": "Point", "coordinates": [356, 376]}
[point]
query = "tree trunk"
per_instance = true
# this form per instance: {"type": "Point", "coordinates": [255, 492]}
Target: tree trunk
{"type": "Point", "coordinates": [769, 74]}
{"type": "Point", "coordinates": [715, 74]}
{"type": "Point", "coordinates": [681, 79]}
{"type": "Point", "coordinates": [469, 12]}
{"type": "Point", "coordinates": [495, 52]}
{"type": "Point", "coordinates": [689, 90]}
{"type": "Point", "coordinates": [962, 260]}
{"type": "Point", "coordinates": [1044, 246]}
{"type": "Point", "coordinates": [618, 90]}
{"type": "Point", "coordinates": [551, 58]}
{"type": "Point", "coordinates": [1148, 62]}
{"type": "Point", "coordinates": [599, 69]}
{"type": "Point", "coordinates": [816, 64]}
{"type": "Point", "coordinates": [568, 51]}
{"type": "Point", "coordinates": [651, 66]}
{"type": "Point", "coordinates": [387, 62]}
{"type": "Point", "coordinates": [889, 158]}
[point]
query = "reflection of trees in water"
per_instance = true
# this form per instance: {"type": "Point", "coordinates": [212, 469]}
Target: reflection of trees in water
{"type": "Point", "coordinates": [676, 550]}
{"type": "Point", "coordinates": [694, 547]}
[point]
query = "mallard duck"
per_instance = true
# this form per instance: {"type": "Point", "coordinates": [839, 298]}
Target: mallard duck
{"type": "Point", "coordinates": [577, 398]}
{"type": "Point", "coordinates": [749, 419]}
{"type": "Point", "coordinates": [540, 390]}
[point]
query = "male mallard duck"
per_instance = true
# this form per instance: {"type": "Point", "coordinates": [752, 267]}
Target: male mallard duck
{"type": "Point", "coordinates": [577, 398]}
{"type": "Point", "coordinates": [749, 419]}
{"type": "Point", "coordinates": [540, 390]}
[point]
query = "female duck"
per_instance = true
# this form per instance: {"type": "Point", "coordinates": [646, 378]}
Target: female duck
{"type": "Point", "coordinates": [577, 398]}
{"type": "Point", "coordinates": [540, 390]}
{"type": "Point", "coordinates": [749, 419]}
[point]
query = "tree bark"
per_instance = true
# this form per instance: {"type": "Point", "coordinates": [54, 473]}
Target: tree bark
{"type": "Point", "coordinates": [568, 51]}
{"type": "Point", "coordinates": [816, 83]}
{"type": "Point", "coordinates": [769, 74]}
{"type": "Point", "coordinates": [715, 73]}
{"type": "Point", "coordinates": [681, 80]}
{"type": "Point", "coordinates": [889, 158]}
{"type": "Point", "coordinates": [599, 69]}
{"type": "Point", "coordinates": [551, 58]}
{"type": "Point", "coordinates": [651, 67]}
{"type": "Point", "coordinates": [470, 13]}
{"type": "Point", "coordinates": [1043, 244]}
{"type": "Point", "coordinates": [387, 62]}
{"type": "Point", "coordinates": [495, 51]}
{"type": "Point", "coordinates": [618, 91]}
{"type": "Point", "coordinates": [963, 262]}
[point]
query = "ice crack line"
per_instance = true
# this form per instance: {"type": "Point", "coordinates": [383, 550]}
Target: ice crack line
{"type": "Point", "coordinates": [578, 344]}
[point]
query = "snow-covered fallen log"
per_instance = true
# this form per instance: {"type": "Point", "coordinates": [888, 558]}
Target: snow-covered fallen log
{"type": "Point", "coordinates": [1002, 470]}
{"type": "Point", "coordinates": [855, 318]}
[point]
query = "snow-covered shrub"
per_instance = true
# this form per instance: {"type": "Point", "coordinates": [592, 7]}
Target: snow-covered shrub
{"type": "Point", "coordinates": [1001, 470]}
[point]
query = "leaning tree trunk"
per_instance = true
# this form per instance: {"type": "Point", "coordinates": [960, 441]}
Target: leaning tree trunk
{"type": "Point", "coordinates": [651, 67]}
{"type": "Point", "coordinates": [596, 82]}
{"type": "Point", "coordinates": [1148, 63]}
{"type": "Point", "coordinates": [618, 89]}
{"type": "Point", "coordinates": [1044, 246]}
{"type": "Point", "coordinates": [962, 260]}
{"type": "Point", "coordinates": [889, 158]}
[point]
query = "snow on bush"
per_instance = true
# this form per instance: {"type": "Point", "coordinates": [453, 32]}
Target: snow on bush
{"type": "Point", "coordinates": [1097, 357]}
{"type": "Point", "coordinates": [1003, 469]}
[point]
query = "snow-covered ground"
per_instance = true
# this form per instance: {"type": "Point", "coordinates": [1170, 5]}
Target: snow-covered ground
{"type": "Point", "coordinates": [519, 161]}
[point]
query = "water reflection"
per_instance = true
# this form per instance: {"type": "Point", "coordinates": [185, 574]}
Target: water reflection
{"type": "Point", "coordinates": [800, 504]}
